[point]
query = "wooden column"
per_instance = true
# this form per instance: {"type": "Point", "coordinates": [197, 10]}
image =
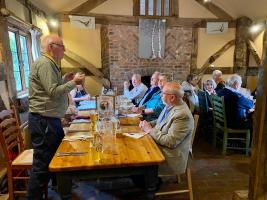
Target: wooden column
{"type": "Point", "coordinates": [194, 50]}
{"type": "Point", "coordinates": [6, 65]}
{"type": "Point", "coordinates": [258, 177]}
{"type": "Point", "coordinates": [241, 54]}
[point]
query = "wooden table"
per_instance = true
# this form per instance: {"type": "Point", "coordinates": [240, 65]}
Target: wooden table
{"type": "Point", "coordinates": [130, 157]}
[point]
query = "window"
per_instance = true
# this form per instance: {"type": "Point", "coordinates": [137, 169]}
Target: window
{"type": "Point", "coordinates": [20, 50]}
{"type": "Point", "coordinates": [155, 7]}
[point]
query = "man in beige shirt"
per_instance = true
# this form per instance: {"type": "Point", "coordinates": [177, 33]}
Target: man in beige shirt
{"type": "Point", "coordinates": [48, 101]}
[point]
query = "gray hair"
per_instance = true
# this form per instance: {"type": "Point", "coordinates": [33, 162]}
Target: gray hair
{"type": "Point", "coordinates": [137, 76]}
{"type": "Point", "coordinates": [217, 73]}
{"type": "Point", "coordinates": [234, 79]}
{"type": "Point", "coordinates": [175, 88]}
{"type": "Point", "coordinates": [164, 76]}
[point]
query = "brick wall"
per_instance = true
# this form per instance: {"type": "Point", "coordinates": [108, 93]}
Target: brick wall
{"type": "Point", "coordinates": [120, 54]}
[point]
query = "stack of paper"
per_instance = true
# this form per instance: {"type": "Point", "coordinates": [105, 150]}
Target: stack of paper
{"type": "Point", "coordinates": [77, 121]}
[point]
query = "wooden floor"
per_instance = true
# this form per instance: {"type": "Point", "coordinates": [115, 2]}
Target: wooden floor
{"type": "Point", "coordinates": [215, 177]}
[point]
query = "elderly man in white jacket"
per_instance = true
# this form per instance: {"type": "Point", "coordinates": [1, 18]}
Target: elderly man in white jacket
{"type": "Point", "coordinates": [172, 130]}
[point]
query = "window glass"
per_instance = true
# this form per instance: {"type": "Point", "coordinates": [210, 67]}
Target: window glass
{"type": "Point", "coordinates": [158, 8]}
{"type": "Point", "coordinates": [150, 7]}
{"type": "Point", "coordinates": [25, 59]}
{"type": "Point", "coordinates": [142, 7]}
{"type": "Point", "coordinates": [166, 8]}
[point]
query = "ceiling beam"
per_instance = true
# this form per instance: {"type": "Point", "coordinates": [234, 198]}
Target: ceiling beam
{"type": "Point", "coordinates": [134, 20]}
{"type": "Point", "coordinates": [217, 11]}
{"type": "Point", "coordinates": [87, 6]}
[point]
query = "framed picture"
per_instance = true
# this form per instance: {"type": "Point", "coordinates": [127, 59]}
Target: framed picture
{"type": "Point", "coordinates": [105, 103]}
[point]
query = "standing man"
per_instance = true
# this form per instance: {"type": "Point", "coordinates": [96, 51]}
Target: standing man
{"type": "Point", "coordinates": [172, 130]}
{"type": "Point", "coordinates": [48, 101]}
{"type": "Point", "coordinates": [139, 90]}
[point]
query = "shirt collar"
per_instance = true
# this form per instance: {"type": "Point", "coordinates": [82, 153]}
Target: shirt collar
{"type": "Point", "coordinates": [50, 58]}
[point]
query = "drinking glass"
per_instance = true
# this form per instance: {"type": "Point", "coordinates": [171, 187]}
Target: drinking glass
{"type": "Point", "coordinates": [94, 119]}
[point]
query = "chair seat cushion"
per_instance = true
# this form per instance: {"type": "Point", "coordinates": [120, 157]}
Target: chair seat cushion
{"type": "Point", "coordinates": [24, 159]}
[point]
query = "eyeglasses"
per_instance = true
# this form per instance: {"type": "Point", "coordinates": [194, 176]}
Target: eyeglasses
{"type": "Point", "coordinates": [60, 45]}
{"type": "Point", "coordinates": [166, 93]}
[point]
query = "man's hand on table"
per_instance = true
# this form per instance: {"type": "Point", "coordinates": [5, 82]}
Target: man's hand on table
{"type": "Point", "coordinates": [145, 126]}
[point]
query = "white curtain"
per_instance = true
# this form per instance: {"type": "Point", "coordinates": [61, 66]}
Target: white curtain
{"type": "Point", "coordinates": [35, 45]}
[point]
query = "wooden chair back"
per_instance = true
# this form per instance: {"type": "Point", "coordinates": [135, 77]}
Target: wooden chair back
{"type": "Point", "coordinates": [220, 122]}
{"type": "Point", "coordinates": [10, 135]}
{"type": "Point", "coordinates": [219, 115]}
{"type": "Point", "coordinates": [203, 103]}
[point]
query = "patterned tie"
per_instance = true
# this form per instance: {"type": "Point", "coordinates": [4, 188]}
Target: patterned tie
{"type": "Point", "coordinates": [165, 114]}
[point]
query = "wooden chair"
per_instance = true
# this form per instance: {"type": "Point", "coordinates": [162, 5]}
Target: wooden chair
{"type": "Point", "coordinates": [189, 189]}
{"type": "Point", "coordinates": [12, 141]}
{"type": "Point", "coordinates": [220, 124]}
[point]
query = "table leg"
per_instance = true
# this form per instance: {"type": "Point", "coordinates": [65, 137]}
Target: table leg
{"type": "Point", "coordinates": [151, 180]}
{"type": "Point", "coordinates": [64, 182]}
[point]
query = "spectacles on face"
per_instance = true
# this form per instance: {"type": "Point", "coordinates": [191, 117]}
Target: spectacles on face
{"type": "Point", "coordinates": [166, 93]}
{"type": "Point", "coordinates": [59, 45]}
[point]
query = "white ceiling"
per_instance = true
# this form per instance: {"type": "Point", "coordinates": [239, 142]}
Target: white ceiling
{"type": "Point", "coordinates": [254, 9]}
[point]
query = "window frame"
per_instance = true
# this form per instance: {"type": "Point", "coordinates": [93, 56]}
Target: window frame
{"type": "Point", "coordinates": [137, 8]}
{"type": "Point", "coordinates": [20, 31]}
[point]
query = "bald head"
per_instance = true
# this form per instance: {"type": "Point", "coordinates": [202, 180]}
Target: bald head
{"type": "Point", "coordinates": [53, 45]}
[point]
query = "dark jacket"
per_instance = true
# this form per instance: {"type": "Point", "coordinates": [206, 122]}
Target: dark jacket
{"type": "Point", "coordinates": [236, 106]}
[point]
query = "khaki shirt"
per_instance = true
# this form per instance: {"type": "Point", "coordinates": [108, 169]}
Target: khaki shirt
{"type": "Point", "coordinates": [48, 93]}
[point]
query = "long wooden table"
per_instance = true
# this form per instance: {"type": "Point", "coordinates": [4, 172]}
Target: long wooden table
{"type": "Point", "coordinates": [130, 157]}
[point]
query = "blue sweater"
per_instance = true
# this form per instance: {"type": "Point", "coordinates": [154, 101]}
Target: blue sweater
{"type": "Point", "coordinates": [156, 104]}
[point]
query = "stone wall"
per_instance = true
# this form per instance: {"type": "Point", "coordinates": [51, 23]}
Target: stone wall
{"type": "Point", "coordinates": [120, 54]}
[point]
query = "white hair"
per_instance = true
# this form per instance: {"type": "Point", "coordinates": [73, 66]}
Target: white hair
{"type": "Point", "coordinates": [234, 79]}
{"type": "Point", "coordinates": [137, 76]}
{"type": "Point", "coordinates": [217, 73]}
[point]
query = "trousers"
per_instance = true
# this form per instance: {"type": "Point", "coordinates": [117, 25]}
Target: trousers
{"type": "Point", "coordinates": [46, 135]}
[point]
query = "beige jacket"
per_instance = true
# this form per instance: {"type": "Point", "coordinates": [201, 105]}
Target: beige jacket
{"type": "Point", "coordinates": [173, 135]}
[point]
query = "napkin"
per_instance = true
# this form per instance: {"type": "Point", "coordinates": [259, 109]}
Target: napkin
{"type": "Point", "coordinates": [76, 121]}
{"type": "Point", "coordinates": [135, 135]}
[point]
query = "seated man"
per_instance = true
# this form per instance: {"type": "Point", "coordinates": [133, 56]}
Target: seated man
{"type": "Point", "coordinates": [173, 129]}
{"type": "Point", "coordinates": [190, 87]}
{"type": "Point", "coordinates": [218, 80]}
{"type": "Point", "coordinates": [237, 106]}
{"type": "Point", "coordinates": [153, 107]}
{"type": "Point", "coordinates": [79, 94]}
{"type": "Point", "coordinates": [152, 90]}
{"type": "Point", "coordinates": [139, 90]}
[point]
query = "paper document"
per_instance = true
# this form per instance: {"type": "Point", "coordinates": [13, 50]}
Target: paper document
{"type": "Point", "coordinates": [133, 115]}
{"type": "Point", "coordinates": [77, 136]}
{"type": "Point", "coordinates": [135, 135]}
{"type": "Point", "coordinates": [76, 121]}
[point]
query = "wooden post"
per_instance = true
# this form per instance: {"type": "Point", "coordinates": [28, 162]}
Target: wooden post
{"type": "Point", "coordinates": [241, 53]}
{"type": "Point", "coordinates": [5, 55]}
{"type": "Point", "coordinates": [194, 50]}
{"type": "Point", "coordinates": [258, 177]}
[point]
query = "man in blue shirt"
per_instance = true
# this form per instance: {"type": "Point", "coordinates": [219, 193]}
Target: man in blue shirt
{"type": "Point", "coordinates": [152, 108]}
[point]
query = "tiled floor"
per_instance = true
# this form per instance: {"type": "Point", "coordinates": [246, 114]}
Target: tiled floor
{"type": "Point", "coordinates": [215, 177]}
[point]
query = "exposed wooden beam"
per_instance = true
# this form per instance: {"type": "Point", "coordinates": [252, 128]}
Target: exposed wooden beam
{"type": "Point", "coordinates": [194, 49]}
{"type": "Point", "coordinates": [134, 20]}
{"type": "Point", "coordinates": [78, 60]}
{"type": "Point", "coordinates": [175, 8]}
{"type": "Point", "coordinates": [254, 51]}
{"type": "Point", "coordinates": [136, 7]}
{"type": "Point", "coordinates": [215, 56]}
{"type": "Point", "coordinates": [217, 11]}
{"type": "Point", "coordinates": [87, 6]}
{"type": "Point", "coordinates": [251, 71]}
{"type": "Point", "coordinates": [32, 8]}
{"type": "Point", "coordinates": [258, 175]}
